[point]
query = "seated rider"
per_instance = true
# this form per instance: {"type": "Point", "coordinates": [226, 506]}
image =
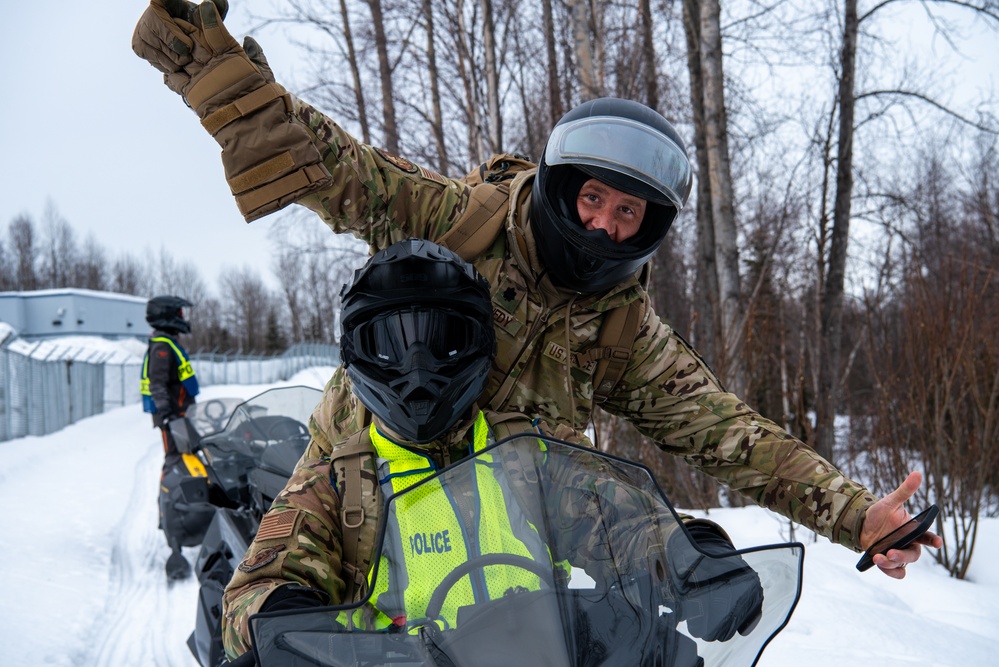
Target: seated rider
{"type": "Point", "coordinates": [417, 342]}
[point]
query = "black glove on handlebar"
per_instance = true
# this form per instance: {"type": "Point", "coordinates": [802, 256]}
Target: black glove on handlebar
{"type": "Point", "coordinates": [718, 594]}
{"type": "Point", "coordinates": [248, 659]}
{"type": "Point", "coordinates": [291, 597]}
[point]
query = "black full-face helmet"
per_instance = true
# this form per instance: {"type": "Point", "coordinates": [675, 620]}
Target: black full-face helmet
{"type": "Point", "coordinates": [627, 146]}
{"type": "Point", "coordinates": [417, 339]}
{"type": "Point", "coordinates": [166, 313]}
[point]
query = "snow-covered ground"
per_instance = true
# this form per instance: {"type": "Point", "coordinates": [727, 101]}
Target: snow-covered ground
{"type": "Point", "coordinates": [82, 583]}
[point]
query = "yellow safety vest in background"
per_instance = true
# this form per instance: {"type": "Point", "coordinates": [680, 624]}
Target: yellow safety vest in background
{"type": "Point", "coordinates": [185, 373]}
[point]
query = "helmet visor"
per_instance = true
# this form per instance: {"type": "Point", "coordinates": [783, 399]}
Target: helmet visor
{"type": "Point", "coordinates": [446, 334]}
{"type": "Point", "coordinates": [627, 147]}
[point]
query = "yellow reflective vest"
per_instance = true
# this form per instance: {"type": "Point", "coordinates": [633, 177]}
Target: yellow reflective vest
{"type": "Point", "coordinates": [438, 529]}
{"type": "Point", "coordinates": [185, 373]}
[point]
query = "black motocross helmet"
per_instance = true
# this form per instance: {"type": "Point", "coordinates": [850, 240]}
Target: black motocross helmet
{"type": "Point", "coordinates": [631, 148]}
{"type": "Point", "coordinates": [417, 338]}
{"type": "Point", "coordinates": [166, 313]}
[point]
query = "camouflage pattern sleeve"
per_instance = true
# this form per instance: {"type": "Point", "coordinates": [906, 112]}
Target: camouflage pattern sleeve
{"type": "Point", "coordinates": [337, 416]}
{"type": "Point", "coordinates": [671, 396]}
{"type": "Point", "coordinates": [298, 542]}
{"type": "Point", "coordinates": [378, 197]}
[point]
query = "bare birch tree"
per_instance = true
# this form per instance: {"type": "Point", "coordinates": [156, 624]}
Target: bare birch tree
{"type": "Point", "coordinates": [390, 129]}
{"type": "Point", "coordinates": [555, 107]}
{"type": "Point", "coordinates": [716, 173]}
{"type": "Point", "coordinates": [584, 45]}
{"type": "Point", "coordinates": [491, 71]}
{"type": "Point", "coordinates": [355, 72]}
{"type": "Point", "coordinates": [437, 126]}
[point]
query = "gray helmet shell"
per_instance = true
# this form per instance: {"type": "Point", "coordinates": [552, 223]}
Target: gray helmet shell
{"type": "Point", "coordinates": [627, 146]}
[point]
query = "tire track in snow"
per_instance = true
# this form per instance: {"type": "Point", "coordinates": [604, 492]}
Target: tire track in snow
{"type": "Point", "coordinates": [140, 622]}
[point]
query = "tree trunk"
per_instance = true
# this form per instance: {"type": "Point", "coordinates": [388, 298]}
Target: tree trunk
{"type": "Point", "coordinates": [555, 108]}
{"type": "Point", "coordinates": [443, 165]}
{"type": "Point", "coordinates": [469, 75]}
{"type": "Point", "coordinates": [722, 207]}
{"type": "Point", "coordinates": [648, 54]}
{"type": "Point", "coordinates": [390, 130]}
{"type": "Point", "coordinates": [582, 41]}
{"type": "Point", "coordinates": [705, 319]}
{"type": "Point", "coordinates": [495, 133]}
{"type": "Point", "coordinates": [832, 296]}
{"type": "Point", "coordinates": [355, 71]}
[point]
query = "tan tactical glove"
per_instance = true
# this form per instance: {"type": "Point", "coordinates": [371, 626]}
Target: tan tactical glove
{"type": "Point", "coordinates": [268, 155]}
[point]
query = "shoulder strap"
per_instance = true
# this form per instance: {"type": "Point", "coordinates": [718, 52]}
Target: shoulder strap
{"type": "Point", "coordinates": [613, 351]}
{"type": "Point", "coordinates": [488, 204]}
{"type": "Point", "coordinates": [352, 507]}
{"type": "Point", "coordinates": [481, 222]}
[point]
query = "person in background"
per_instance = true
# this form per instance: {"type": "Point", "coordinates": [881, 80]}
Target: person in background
{"type": "Point", "coordinates": [168, 389]}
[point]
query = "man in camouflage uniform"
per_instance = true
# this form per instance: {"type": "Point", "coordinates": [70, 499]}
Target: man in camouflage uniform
{"type": "Point", "coordinates": [417, 342]}
{"type": "Point", "coordinates": [566, 253]}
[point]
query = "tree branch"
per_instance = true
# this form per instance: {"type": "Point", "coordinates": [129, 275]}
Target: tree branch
{"type": "Point", "coordinates": [931, 102]}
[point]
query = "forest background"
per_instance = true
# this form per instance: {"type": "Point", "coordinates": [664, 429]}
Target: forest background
{"type": "Point", "coordinates": [838, 255]}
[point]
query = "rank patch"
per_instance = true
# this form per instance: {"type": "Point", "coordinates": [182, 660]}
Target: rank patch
{"type": "Point", "coordinates": [261, 558]}
{"type": "Point", "coordinates": [400, 163]}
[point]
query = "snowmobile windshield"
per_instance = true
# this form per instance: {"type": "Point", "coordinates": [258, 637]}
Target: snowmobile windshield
{"type": "Point", "coordinates": [271, 417]}
{"type": "Point", "coordinates": [212, 415]}
{"type": "Point", "coordinates": [535, 551]}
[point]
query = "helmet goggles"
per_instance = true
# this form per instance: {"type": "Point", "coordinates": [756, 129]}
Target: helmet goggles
{"type": "Point", "coordinates": [627, 147]}
{"type": "Point", "coordinates": [387, 339]}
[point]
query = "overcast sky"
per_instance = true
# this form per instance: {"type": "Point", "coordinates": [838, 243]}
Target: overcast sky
{"type": "Point", "coordinates": [87, 125]}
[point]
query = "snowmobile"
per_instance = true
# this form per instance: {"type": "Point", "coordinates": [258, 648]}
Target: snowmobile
{"type": "Point", "coordinates": [244, 453]}
{"type": "Point", "coordinates": [621, 583]}
{"type": "Point", "coordinates": [187, 497]}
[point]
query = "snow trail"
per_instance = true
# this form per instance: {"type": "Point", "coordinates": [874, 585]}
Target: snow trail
{"type": "Point", "coordinates": [144, 613]}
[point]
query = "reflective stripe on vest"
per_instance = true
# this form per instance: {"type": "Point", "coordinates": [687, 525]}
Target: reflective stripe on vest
{"type": "Point", "coordinates": [185, 373]}
{"type": "Point", "coordinates": [439, 531]}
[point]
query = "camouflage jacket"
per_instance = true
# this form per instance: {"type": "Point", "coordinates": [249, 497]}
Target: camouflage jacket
{"type": "Point", "coordinates": [545, 337]}
{"type": "Point", "coordinates": [300, 539]}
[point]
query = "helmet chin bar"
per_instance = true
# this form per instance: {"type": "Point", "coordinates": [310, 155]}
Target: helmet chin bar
{"type": "Point", "coordinates": [420, 405]}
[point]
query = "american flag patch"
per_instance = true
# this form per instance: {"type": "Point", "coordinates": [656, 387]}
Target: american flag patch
{"type": "Point", "coordinates": [431, 175]}
{"type": "Point", "coordinates": [277, 524]}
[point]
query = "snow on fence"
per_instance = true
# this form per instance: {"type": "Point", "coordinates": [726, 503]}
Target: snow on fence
{"type": "Point", "coordinates": [46, 386]}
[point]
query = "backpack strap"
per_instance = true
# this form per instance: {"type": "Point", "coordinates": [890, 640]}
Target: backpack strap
{"type": "Point", "coordinates": [613, 350]}
{"type": "Point", "coordinates": [352, 514]}
{"type": "Point", "coordinates": [481, 222]}
{"type": "Point", "coordinates": [488, 204]}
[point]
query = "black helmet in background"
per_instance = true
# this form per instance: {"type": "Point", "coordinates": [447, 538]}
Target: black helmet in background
{"type": "Point", "coordinates": [627, 146]}
{"type": "Point", "coordinates": [166, 313]}
{"type": "Point", "coordinates": [417, 337]}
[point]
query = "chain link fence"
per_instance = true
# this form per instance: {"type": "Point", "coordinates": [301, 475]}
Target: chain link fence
{"type": "Point", "coordinates": [45, 387]}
